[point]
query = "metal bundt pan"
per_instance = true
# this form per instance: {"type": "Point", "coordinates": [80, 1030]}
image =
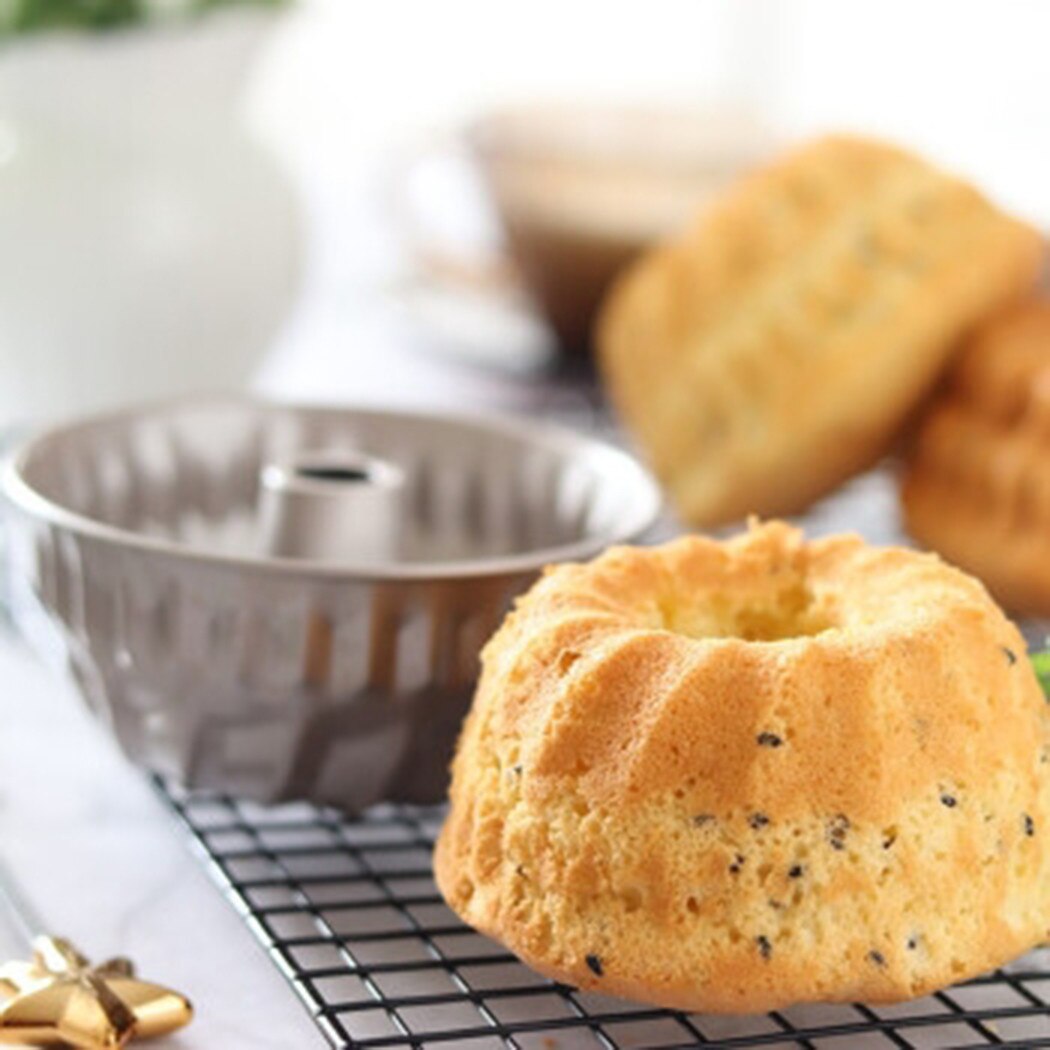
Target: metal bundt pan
{"type": "Point", "coordinates": [283, 602]}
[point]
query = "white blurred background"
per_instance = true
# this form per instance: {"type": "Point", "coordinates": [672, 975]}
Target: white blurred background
{"type": "Point", "coordinates": [967, 81]}
{"type": "Point", "coordinates": [148, 244]}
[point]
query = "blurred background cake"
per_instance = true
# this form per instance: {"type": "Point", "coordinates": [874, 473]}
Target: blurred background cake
{"type": "Point", "coordinates": [977, 484]}
{"type": "Point", "coordinates": [776, 346]}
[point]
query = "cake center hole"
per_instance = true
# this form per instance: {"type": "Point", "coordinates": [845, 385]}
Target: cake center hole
{"type": "Point", "coordinates": [776, 624]}
{"type": "Point", "coordinates": [789, 612]}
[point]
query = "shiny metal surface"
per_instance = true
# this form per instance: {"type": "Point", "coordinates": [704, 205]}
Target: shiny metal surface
{"type": "Point", "coordinates": [332, 506]}
{"type": "Point", "coordinates": [140, 556]}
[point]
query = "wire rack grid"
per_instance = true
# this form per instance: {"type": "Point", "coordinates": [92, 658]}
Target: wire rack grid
{"type": "Point", "coordinates": [348, 909]}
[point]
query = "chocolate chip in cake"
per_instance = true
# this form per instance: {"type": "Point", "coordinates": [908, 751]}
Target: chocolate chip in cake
{"type": "Point", "coordinates": [594, 964]}
{"type": "Point", "coordinates": [765, 949]}
{"type": "Point", "coordinates": [795, 871]}
{"type": "Point", "coordinates": [758, 820]}
{"type": "Point", "coordinates": [948, 800]}
{"type": "Point", "coordinates": [703, 818]}
{"type": "Point", "coordinates": [913, 942]}
{"type": "Point", "coordinates": [1011, 656]}
{"type": "Point", "coordinates": [837, 830]}
{"type": "Point", "coordinates": [877, 958]}
{"type": "Point", "coordinates": [766, 739]}
{"type": "Point", "coordinates": [738, 863]}
{"type": "Point", "coordinates": [1029, 825]}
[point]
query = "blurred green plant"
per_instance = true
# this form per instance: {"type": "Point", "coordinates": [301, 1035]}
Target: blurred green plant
{"type": "Point", "coordinates": [1041, 663]}
{"type": "Point", "coordinates": [31, 16]}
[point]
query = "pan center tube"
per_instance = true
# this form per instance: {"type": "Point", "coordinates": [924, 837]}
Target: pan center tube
{"type": "Point", "coordinates": [336, 506]}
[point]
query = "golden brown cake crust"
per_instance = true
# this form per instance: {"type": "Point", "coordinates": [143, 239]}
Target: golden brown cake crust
{"type": "Point", "coordinates": [776, 346]}
{"type": "Point", "coordinates": [728, 777]}
{"type": "Point", "coordinates": [977, 486]}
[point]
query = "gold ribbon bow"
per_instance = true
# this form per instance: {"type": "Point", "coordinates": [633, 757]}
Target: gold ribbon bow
{"type": "Point", "coordinates": [59, 997]}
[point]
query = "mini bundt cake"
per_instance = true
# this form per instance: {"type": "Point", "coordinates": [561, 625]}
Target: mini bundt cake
{"type": "Point", "coordinates": [732, 776]}
{"type": "Point", "coordinates": [775, 348]}
{"type": "Point", "coordinates": [977, 487]}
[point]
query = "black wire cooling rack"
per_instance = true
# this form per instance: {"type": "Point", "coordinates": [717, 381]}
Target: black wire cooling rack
{"type": "Point", "coordinates": [348, 909]}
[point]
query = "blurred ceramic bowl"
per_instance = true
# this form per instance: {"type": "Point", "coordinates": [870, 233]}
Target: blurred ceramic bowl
{"type": "Point", "coordinates": [582, 189]}
{"type": "Point", "coordinates": [149, 246]}
{"type": "Point", "coordinates": [262, 659]}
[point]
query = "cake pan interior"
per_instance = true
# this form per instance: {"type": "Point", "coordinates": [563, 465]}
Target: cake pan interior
{"type": "Point", "coordinates": [187, 475]}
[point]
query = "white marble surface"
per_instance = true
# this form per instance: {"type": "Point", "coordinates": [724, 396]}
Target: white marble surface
{"type": "Point", "coordinates": [104, 863]}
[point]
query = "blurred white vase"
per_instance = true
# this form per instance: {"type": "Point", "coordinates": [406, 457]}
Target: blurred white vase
{"type": "Point", "coordinates": [148, 246]}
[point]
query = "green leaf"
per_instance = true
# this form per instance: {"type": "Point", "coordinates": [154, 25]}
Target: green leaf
{"type": "Point", "coordinates": [30, 16]}
{"type": "Point", "coordinates": [1041, 664]}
